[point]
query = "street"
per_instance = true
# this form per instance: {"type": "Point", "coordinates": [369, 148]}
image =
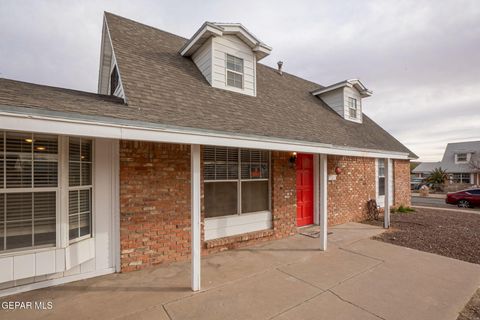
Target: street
{"type": "Point", "coordinates": [435, 202]}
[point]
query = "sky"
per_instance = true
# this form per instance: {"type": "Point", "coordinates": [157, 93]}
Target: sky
{"type": "Point", "coordinates": [420, 58]}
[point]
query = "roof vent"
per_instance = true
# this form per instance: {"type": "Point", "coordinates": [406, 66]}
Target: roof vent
{"type": "Point", "coordinates": [280, 64]}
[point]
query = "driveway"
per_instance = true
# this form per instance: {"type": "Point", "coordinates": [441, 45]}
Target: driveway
{"type": "Point", "coordinates": [357, 278]}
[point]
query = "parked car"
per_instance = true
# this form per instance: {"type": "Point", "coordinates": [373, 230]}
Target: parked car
{"type": "Point", "coordinates": [416, 183]}
{"type": "Point", "coordinates": [464, 198]}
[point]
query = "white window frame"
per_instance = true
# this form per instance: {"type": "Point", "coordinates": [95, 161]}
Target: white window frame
{"type": "Point", "coordinates": [227, 70]}
{"type": "Point", "coordinates": [32, 189]}
{"type": "Point", "coordinates": [239, 181]}
{"type": "Point", "coordinates": [352, 106]}
{"type": "Point", "coordinates": [75, 188]}
{"type": "Point", "coordinates": [61, 218]}
{"type": "Point", "coordinates": [467, 157]}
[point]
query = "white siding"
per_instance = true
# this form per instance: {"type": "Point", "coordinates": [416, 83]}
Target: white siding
{"type": "Point", "coordinates": [203, 60]}
{"type": "Point", "coordinates": [353, 93]}
{"type": "Point", "coordinates": [335, 100]}
{"type": "Point", "coordinates": [210, 60]}
{"type": "Point", "coordinates": [237, 224]}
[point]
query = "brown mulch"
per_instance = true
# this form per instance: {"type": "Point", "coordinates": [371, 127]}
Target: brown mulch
{"type": "Point", "coordinates": [472, 309]}
{"type": "Point", "coordinates": [447, 233]}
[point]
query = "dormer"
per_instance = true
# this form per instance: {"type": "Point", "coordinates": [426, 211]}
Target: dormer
{"type": "Point", "coordinates": [345, 98]}
{"type": "Point", "coordinates": [227, 54]}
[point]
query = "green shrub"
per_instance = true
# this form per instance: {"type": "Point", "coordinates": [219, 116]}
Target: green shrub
{"type": "Point", "coordinates": [403, 209]}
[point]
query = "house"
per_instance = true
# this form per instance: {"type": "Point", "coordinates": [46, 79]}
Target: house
{"type": "Point", "coordinates": [424, 169]}
{"type": "Point", "coordinates": [461, 161]}
{"type": "Point", "coordinates": [190, 146]}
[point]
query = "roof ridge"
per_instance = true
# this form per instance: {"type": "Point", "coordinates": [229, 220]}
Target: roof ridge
{"type": "Point", "coordinates": [109, 97]}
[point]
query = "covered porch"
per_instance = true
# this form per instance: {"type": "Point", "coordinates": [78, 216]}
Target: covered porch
{"type": "Point", "coordinates": [284, 279]}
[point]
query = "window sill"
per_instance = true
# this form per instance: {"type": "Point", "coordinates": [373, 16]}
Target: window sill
{"type": "Point", "coordinates": [26, 251]}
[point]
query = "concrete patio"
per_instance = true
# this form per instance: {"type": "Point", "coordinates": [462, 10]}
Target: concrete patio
{"type": "Point", "coordinates": [357, 278]}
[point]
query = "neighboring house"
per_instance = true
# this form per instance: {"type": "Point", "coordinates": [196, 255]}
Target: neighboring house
{"type": "Point", "coordinates": [190, 146]}
{"type": "Point", "coordinates": [424, 169]}
{"type": "Point", "coordinates": [461, 160]}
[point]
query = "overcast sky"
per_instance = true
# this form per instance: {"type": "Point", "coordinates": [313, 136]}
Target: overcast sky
{"type": "Point", "coordinates": [420, 58]}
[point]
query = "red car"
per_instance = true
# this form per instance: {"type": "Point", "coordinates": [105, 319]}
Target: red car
{"type": "Point", "coordinates": [465, 198]}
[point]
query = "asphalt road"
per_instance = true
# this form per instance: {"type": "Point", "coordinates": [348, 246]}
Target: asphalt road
{"type": "Point", "coordinates": [434, 202]}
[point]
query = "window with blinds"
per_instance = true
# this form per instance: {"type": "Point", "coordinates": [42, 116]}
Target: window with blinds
{"type": "Point", "coordinates": [80, 188]}
{"type": "Point", "coordinates": [28, 190]}
{"type": "Point", "coordinates": [236, 180]}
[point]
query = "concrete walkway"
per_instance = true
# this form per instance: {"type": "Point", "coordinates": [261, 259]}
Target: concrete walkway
{"type": "Point", "coordinates": [357, 278]}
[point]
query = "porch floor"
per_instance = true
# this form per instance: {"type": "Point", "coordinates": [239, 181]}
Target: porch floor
{"type": "Point", "coordinates": [357, 278]}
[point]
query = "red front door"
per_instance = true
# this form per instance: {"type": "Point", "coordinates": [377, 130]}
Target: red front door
{"type": "Point", "coordinates": [304, 165]}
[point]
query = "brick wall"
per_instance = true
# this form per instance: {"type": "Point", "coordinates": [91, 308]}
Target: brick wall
{"type": "Point", "coordinates": [154, 203]}
{"type": "Point", "coordinates": [349, 193]}
{"type": "Point", "coordinates": [284, 195]}
{"type": "Point", "coordinates": [401, 174]}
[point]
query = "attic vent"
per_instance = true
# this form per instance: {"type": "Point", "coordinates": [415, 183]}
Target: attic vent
{"type": "Point", "coordinates": [114, 80]}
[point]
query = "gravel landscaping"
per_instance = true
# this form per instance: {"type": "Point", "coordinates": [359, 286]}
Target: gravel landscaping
{"type": "Point", "coordinates": [448, 233]}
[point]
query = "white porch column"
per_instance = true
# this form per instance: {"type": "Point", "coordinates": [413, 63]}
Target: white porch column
{"type": "Point", "coordinates": [388, 198]}
{"type": "Point", "coordinates": [323, 202]}
{"type": "Point", "coordinates": [195, 215]}
{"type": "Point", "coordinates": [316, 189]}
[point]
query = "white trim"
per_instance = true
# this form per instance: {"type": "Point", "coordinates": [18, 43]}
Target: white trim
{"type": "Point", "coordinates": [323, 201]}
{"type": "Point", "coordinates": [54, 282]}
{"type": "Point", "coordinates": [116, 249]}
{"type": "Point", "coordinates": [316, 189]}
{"type": "Point", "coordinates": [388, 198]}
{"type": "Point", "coordinates": [9, 121]}
{"type": "Point", "coordinates": [195, 215]}
{"type": "Point", "coordinates": [226, 226]}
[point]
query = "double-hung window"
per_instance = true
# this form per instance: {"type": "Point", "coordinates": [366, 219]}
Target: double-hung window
{"type": "Point", "coordinates": [461, 157]}
{"type": "Point", "coordinates": [236, 181]}
{"type": "Point", "coordinates": [28, 190]}
{"type": "Point", "coordinates": [234, 71]}
{"type": "Point", "coordinates": [80, 188]}
{"type": "Point", "coordinates": [381, 177]}
{"type": "Point", "coordinates": [352, 107]}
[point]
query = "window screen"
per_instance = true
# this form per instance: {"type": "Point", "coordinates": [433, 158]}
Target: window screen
{"type": "Point", "coordinates": [28, 190]}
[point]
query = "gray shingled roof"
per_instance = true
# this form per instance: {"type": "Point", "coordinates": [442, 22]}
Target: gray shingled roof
{"type": "Point", "coordinates": [170, 89]}
{"type": "Point", "coordinates": [164, 88]}
{"type": "Point", "coordinates": [448, 160]}
{"type": "Point", "coordinates": [426, 167]}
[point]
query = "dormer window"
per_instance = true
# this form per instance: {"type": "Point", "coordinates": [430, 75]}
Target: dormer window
{"type": "Point", "coordinates": [461, 157]}
{"type": "Point", "coordinates": [234, 71]}
{"type": "Point", "coordinates": [345, 98]}
{"type": "Point", "coordinates": [114, 80]}
{"type": "Point", "coordinates": [352, 107]}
